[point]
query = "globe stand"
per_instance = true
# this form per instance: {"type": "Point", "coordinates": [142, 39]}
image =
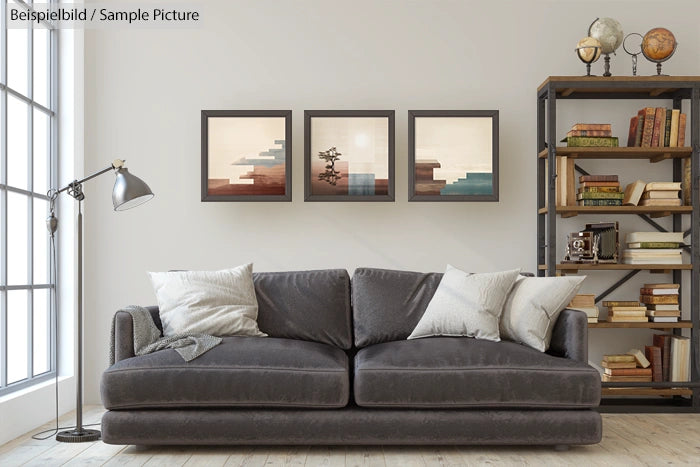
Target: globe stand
{"type": "Point", "coordinates": [591, 59]}
{"type": "Point", "coordinates": [607, 66]}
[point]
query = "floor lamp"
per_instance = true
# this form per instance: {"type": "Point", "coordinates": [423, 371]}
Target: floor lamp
{"type": "Point", "coordinates": [129, 191]}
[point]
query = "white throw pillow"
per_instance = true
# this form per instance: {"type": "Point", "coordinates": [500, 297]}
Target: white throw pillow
{"type": "Point", "coordinates": [533, 307]}
{"type": "Point", "coordinates": [466, 305]}
{"type": "Point", "coordinates": [220, 303]}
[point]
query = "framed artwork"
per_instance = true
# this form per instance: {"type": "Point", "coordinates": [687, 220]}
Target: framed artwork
{"type": "Point", "coordinates": [349, 155]}
{"type": "Point", "coordinates": [453, 155]}
{"type": "Point", "coordinates": [246, 155]}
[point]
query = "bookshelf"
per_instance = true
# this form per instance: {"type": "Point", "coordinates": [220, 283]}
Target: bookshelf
{"type": "Point", "coordinates": [626, 397]}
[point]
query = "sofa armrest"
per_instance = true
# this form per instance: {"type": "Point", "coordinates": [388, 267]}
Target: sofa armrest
{"type": "Point", "coordinates": [124, 333]}
{"type": "Point", "coordinates": [570, 336]}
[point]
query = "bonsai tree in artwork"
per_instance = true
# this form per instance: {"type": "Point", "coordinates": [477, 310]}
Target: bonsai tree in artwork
{"type": "Point", "coordinates": [330, 175]}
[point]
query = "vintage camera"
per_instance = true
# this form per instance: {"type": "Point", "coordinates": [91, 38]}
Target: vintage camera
{"type": "Point", "coordinates": [597, 243]}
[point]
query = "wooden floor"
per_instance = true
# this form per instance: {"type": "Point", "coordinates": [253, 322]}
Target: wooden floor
{"type": "Point", "coordinates": [627, 440]}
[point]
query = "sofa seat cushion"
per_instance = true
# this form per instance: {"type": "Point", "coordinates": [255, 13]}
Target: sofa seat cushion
{"type": "Point", "coordinates": [240, 372]}
{"type": "Point", "coordinates": [461, 372]}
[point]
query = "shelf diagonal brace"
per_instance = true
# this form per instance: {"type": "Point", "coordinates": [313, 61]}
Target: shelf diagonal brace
{"type": "Point", "coordinates": [580, 170]}
{"type": "Point", "coordinates": [617, 284]}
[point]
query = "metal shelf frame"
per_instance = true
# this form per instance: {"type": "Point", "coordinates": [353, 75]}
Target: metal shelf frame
{"type": "Point", "coordinates": [677, 89]}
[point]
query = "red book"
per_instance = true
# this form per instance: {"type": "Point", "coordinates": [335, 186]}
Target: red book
{"type": "Point", "coordinates": [590, 184]}
{"type": "Point", "coordinates": [659, 125]}
{"type": "Point", "coordinates": [653, 354]}
{"type": "Point", "coordinates": [592, 126]}
{"type": "Point", "coordinates": [629, 372]}
{"type": "Point", "coordinates": [663, 341]}
{"type": "Point", "coordinates": [649, 113]}
{"type": "Point", "coordinates": [640, 128]}
{"type": "Point", "coordinates": [681, 130]}
{"type": "Point", "coordinates": [631, 137]}
{"type": "Point", "coordinates": [597, 178]}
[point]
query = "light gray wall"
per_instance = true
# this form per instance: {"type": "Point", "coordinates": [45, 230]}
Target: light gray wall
{"type": "Point", "coordinates": [145, 90]}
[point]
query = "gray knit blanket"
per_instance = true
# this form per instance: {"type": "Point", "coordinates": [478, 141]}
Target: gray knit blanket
{"type": "Point", "coordinates": [147, 337]}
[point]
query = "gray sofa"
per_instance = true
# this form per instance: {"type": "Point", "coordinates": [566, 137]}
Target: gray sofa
{"type": "Point", "coordinates": [337, 369]}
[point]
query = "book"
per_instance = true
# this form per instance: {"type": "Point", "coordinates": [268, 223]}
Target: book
{"type": "Point", "coordinates": [582, 300]}
{"type": "Point", "coordinates": [645, 291]}
{"type": "Point", "coordinates": [656, 299]}
{"type": "Point", "coordinates": [664, 313]}
{"type": "Point", "coordinates": [627, 308]}
{"type": "Point", "coordinates": [661, 308]}
{"type": "Point", "coordinates": [626, 379]}
{"type": "Point", "coordinates": [657, 260]}
{"type": "Point", "coordinates": [627, 313]}
{"type": "Point", "coordinates": [632, 135]}
{"type": "Point", "coordinates": [653, 245]}
{"type": "Point", "coordinates": [600, 195]}
{"type": "Point", "coordinates": [663, 341]}
{"type": "Point", "coordinates": [607, 133]}
{"type": "Point", "coordinates": [628, 371]}
{"type": "Point", "coordinates": [633, 193]}
{"type": "Point", "coordinates": [660, 194]}
{"type": "Point", "coordinates": [673, 139]}
{"type": "Point", "coordinates": [665, 285]}
{"type": "Point", "coordinates": [592, 126]}
{"type": "Point", "coordinates": [675, 237]}
{"type": "Point", "coordinates": [648, 130]}
{"type": "Point", "coordinates": [663, 186]}
{"type": "Point", "coordinates": [659, 122]}
{"type": "Point", "coordinates": [591, 311]}
{"type": "Point", "coordinates": [667, 129]}
{"type": "Point", "coordinates": [653, 354]}
{"type": "Point", "coordinates": [640, 129]}
{"type": "Point", "coordinates": [608, 184]}
{"type": "Point", "coordinates": [619, 358]}
{"type": "Point", "coordinates": [598, 178]}
{"type": "Point", "coordinates": [591, 141]}
{"type": "Point", "coordinates": [627, 319]}
{"type": "Point", "coordinates": [680, 359]}
{"type": "Point", "coordinates": [639, 252]}
{"type": "Point", "coordinates": [592, 319]}
{"type": "Point", "coordinates": [610, 303]}
{"type": "Point", "coordinates": [685, 190]}
{"type": "Point", "coordinates": [660, 202]}
{"type": "Point", "coordinates": [681, 130]}
{"type": "Point", "coordinates": [639, 356]}
{"type": "Point", "coordinates": [663, 319]}
{"type": "Point", "coordinates": [599, 189]}
{"type": "Point", "coordinates": [616, 365]}
{"type": "Point", "coordinates": [600, 202]}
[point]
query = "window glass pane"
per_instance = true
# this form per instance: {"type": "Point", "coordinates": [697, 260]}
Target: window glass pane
{"type": "Point", "coordinates": [17, 238]}
{"type": "Point", "coordinates": [41, 152]}
{"type": "Point", "coordinates": [41, 242]}
{"type": "Point", "coordinates": [42, 339]}
{"type": "Point", "coordinates": [16, 335]}
{"type": "Point", "coordinates": [17, 59]}
{"type": "Point", "coordinates": [17, 150]}
{"type": "Point", "coordinates": [41, 65]}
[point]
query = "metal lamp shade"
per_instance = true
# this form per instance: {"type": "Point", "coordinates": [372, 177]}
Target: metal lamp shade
{"type": "Point", "coordinates": [129, 191]}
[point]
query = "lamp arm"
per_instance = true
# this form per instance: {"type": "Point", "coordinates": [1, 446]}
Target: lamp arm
{"type": "Point", "coordinates": [117, 164]}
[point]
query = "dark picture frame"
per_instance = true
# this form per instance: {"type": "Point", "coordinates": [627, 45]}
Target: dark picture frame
{"type": "Point", "coordinates": [453, 144]}
{"type": "Point", "coordinates": [322, 182]}
{"type": "Point", "coordinates": [230, 139]}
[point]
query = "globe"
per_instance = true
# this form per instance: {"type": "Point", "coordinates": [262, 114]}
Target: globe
{"type": "Point", "coordinates": [658, 44]}
{"type": "Point", "coordinates": [588, 49]}
{"type": "Point", "coordinates": [609, 32]}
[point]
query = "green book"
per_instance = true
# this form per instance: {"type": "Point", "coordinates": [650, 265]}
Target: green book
{"type": "Point", "coordinates": [600, 202]}
{"type": "Point", "coordinates": [591, 141]}
{"type": "Point", "coordinates": [600, 195]}
{"type": "Point", "coordinates": [600, 189]}
{"type": "Point", "coordinates": [667, 128]}
{"type": "Point", "coordinates": [653, 245]}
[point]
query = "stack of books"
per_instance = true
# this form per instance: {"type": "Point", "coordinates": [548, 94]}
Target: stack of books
{"type": "Point", "coordinates": [591, 135]}
{"type": "Point", "coordinates": [626, 311]}
{"type": "Point", "coordinates": [599, 190]}
{"type": "Point", "coordinates": [585, 303]}
{"type": "Point", "coordinates": [655, 127]}
{"type": "Point", "coordinates": [630, 367]}
{"type": "Point", "coordinates": [661, 194]}
{"type": "Point", "coordinates": [661, 301]}
{"type": "Point", "coordinates": [669, 356]}
{"type": "Point", "coordinates": [653, 248]}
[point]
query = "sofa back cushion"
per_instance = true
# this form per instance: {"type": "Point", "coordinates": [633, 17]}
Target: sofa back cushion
{"type": "Point", "coordinates": [387, 304]}
{"type": "Point", "coordinates": [307, 305]}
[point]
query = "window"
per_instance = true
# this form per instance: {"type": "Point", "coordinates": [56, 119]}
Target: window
{"type": "Point", "coordinates": [27, 171]}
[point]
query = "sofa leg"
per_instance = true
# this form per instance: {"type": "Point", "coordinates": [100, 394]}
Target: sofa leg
{"type": "Point", "coordinates": [561, 447]}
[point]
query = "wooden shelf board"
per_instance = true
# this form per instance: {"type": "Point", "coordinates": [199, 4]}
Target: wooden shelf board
{"type": "Point", "coordinates": [652, 154]}
{"type": "Point", "coordinates": [651, 86]}
{"type": "Point", "coordinates": [646, 391]}
{"type": "Point", "coordinates": [654, 211]}
{"type": "Point", "coordinates": [617, 267]}
{"type": "Point", "coordinates": [641, 325]}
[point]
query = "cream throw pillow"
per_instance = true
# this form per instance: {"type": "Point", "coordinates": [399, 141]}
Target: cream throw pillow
{"type": "Point", "coordinates": [466, 305]}
{"type": "Point", "coordinates": [533, 307]}
{"type": "Point", "coordinates": [220, 303]}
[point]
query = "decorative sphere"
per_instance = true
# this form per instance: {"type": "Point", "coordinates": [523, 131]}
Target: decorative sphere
{"type": "Point", "coordinates": [658, 44]}
{"type": "Point", "coordinates": [588, 49]}
{"type": "Point", "coordinates": [609, 32]}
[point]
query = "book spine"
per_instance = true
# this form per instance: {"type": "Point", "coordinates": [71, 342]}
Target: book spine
{"type": "Point", "coordinates": [673, 141]}
{"type": "Point", "coordinates": [656, 245]}
{"type": "Point", "coordinates": [659, 119]}
{"type": "Point", "coordinates": [659, 299]}
{"type": "Point", "coordinates": [648, 131]}
{"type": "Point", "coordinates": [653, 354]}
{"type": "Point", "coordinates": [667, 129]}
{"type": "Point", "coordinates": [644, 291]}
{"type": "Point", "coordinates": [600, 202]}
{"type": "Point", "coordinates": [599, 189]}
{"type": "Point", "coordinates": [589, 133]}
{"type": "Point", "coordinates": [600, 195]}
{"type": "Point", "coordinates": [592, 141]}
{"type": "Point", "coordinates": [615, 185]}
{"type": "Point", "coordinates": [592, 126]}
{"type": "Point", "coordinates": [634, 121]}
{"type": "Point", "coordinates": [640, 129]}
{"type": "Point", "coordinates": [610, 303]}
{"type": "Point", "coordinates": [681, 130]}
{"type": "Point", "coordinates": [597, 178]}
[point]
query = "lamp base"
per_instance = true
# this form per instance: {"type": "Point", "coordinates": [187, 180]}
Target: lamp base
{"type": "Point", "coordinates": [78, 436]}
